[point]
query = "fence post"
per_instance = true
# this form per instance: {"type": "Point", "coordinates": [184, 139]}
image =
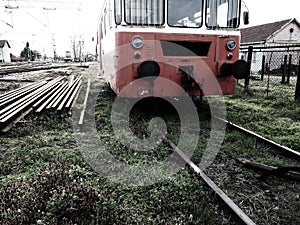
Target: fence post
{"type": "Point", "coordinates": [297, 92]}
{"type": "Point", "coordinates": [268, 80]}
{"type": "Point", "coordinates": [249, 60]}
{"type": "Point", "coordinates": [289, 69]}
{"type": "Point", "coordinates": [263, 67]}
{"type": "Point", "coordinates": [284, 70]}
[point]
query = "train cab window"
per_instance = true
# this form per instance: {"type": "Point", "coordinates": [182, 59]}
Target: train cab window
{"type": "Point", "coordinates": [222, 13]}
{"type": "Point", "coordinates": [118, 12]}
{"type": "Point", "coordinates": [144, 12]}
{"type": "Point", "coordinates": [182, 13]}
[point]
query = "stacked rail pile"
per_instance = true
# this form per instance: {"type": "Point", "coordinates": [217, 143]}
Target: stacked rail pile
{"type": "Point", "coordinates": [57, 94]}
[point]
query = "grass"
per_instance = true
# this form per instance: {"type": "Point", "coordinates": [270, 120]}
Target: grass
{"type": "Point", "coordinates": [45, 179]}
{"type": "Point", "coordinates": [272, 88]}
{"type": "Point", "coordinates": [277, 119]}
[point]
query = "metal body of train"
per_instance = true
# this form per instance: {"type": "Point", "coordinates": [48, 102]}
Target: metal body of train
{"type": "Point", "coordinates": [152, 47]}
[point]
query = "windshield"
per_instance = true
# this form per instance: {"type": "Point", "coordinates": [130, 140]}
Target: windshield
{"type": "Point", "coordinates": [144, 12]}
{"type": "Point", "coordinates": [222, 13]}
{"type": "Point", "coordinates": [182, 13]}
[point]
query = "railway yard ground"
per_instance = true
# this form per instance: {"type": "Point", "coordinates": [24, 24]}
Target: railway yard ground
{"type": "Point", "coordinates": [46, 179]}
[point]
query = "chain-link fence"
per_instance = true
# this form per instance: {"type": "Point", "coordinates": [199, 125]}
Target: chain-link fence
{"type": "Point", "coordinates": [273, 70]}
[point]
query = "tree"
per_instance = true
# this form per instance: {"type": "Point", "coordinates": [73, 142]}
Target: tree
{"type": "Point", "coordinates": [77, 45]}
{"type": "Point", "coordinates": [27, 53]}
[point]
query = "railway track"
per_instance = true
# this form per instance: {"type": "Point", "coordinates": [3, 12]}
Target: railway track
{"type": "Point", "coordinates": [240, 214]}
{"type": "Point", "coordinates": [288, 172]}
{"type": "Point", "coordinates": [283, 149]}
{"type": "Point", "coordinates": [43, 102]}
{"type": "Point", "coordinates": [27, 67]}
{"type": "Point", "coordinates": [235, 205]}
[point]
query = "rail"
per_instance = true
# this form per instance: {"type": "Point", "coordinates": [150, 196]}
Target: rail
{"type": "Point", "coordinates": [231, 205]}
{"type": "Point", "coordinates": [283, 149]}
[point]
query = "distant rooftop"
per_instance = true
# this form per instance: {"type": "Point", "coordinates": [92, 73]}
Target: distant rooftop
{"type": "Point", "coordinates": [2, 43]}
{"type": "Point", "coordinates": [261, 33]}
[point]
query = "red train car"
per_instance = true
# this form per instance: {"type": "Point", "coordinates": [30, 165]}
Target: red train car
{"type": "Point", "coordinates": [160, 47]}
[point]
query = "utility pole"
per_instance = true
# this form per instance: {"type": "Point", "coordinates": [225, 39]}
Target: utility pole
{"type": "Point", "coordinates": [53, 36]}
{"type": "Point", "coordinates": [54, 47]}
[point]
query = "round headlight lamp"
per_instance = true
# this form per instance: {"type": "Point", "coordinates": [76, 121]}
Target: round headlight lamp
{"type": "Point", "coordinates": [137, 42]}
{"type": "Point", "coordinates": [231, 44]}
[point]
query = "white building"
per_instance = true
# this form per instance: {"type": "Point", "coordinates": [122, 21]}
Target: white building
{"type": "Point", "coordinates": [4, 51]}
{"type": "Point", "coordinates": [271, 40]}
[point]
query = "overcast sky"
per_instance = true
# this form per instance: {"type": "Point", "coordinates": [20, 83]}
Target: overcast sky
{"type": "Point", "coordinates": [41, 21]}
{"type": "Point", "coordinates": [268, 11]}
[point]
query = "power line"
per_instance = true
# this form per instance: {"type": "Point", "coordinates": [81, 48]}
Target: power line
{"type": "Point", "coordinates": [8, 24]}
{"type": "Point", "coordinates": [46, 1]}
{"type": "Point", "coordinates": [38, 20]}
{"type": "Point", "coordinates": [17, 4]}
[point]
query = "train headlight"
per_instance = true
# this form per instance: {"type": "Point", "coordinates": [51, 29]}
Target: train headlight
{"type": "Point", "coordinates": [137, 42]}
{"type": "Point", "coordinates": [231, 44]}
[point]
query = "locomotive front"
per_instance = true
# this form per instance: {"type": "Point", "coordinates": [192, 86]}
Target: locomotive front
{"type": "Point", "coordinates": [164, 47]}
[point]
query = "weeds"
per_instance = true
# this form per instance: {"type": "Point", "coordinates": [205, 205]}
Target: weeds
{"type": "Point", "coordinates": [276, 119]}
{"type": "Point", "coordinates": [45, 179]}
